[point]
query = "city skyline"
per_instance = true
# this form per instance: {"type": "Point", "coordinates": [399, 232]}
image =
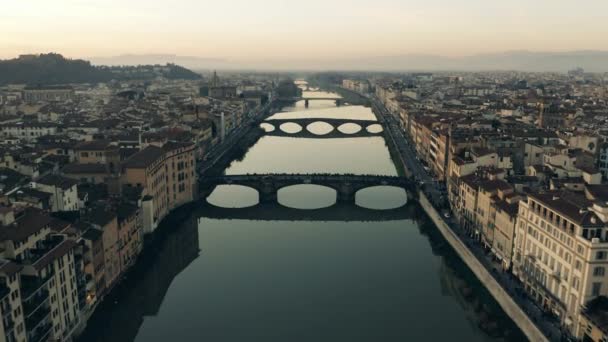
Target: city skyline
{"type": "Point", "coordinates": [314, 30]}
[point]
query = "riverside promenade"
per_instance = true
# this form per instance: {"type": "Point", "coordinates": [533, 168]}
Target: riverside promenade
{"type": "Point", "coordinates": [504, 299]}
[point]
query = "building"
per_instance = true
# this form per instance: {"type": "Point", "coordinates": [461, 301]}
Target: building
{"type": "Point", "coordinates": [48, 94]}
{"type": "Point", "coordinates": [94, 265]}
{"type": "Point", "coordinates": [99, 152]}
{"type": "Point", "coordinates": [47, 280]}
{"type": "Point", "coordinates": [64, 192]}
{"type": "Point", "coordinates": [130, 234]}
{"type": "Point", "coordinates": [561, 252]}
{"type": "Point", "coordinates": [594, 320]}
{"type": "Point", "coordinates": [360, 86]}
{"type": "Point", "coordinates": [28, 131]}
{"type": "Point", "coordinates": [167, 176]}
{"type": "Point", "coordinates": [103, 217]}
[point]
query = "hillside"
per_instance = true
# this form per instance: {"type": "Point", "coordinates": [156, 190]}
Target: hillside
{"type": "Point", "coordinates": [53, 68]}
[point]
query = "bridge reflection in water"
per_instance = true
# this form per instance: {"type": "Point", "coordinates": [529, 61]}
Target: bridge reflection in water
{"type": "Point", "coordinates": [345, 212]}
{"type": "Point", "coordinates": [346, 186]}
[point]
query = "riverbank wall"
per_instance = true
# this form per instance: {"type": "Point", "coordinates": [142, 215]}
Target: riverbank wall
{"type": "Point", "coordinates": [500, 295]}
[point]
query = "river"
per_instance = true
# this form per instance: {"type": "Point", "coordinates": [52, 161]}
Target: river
{"type": "Point", "coordinates": [386, 276]}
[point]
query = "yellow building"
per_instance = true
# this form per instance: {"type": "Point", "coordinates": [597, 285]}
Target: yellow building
{"type": "Point", "coordinates": [167, 176]}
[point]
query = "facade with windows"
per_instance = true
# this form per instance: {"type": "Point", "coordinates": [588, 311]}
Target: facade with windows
{"type": "Point", "coordinates": [561, 252]}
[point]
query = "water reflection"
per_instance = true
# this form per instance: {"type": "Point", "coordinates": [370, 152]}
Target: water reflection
{"type": "Point", "coordinates": [233, 196]}
{"type": "Point", "coordinates": [275, 273]}
{"type": "Point", "coordinates": [292, 155]}
{"type": "Point", "coordinates": [381, 197]}
{"type": "Point", "coordinates": [142, 292]}
{"type": "Point", "coordinates": [307, 196]}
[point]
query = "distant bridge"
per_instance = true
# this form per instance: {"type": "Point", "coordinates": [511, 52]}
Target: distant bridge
{"type": "Point", "coordinates": [338, 101]}
{"type": "Point", "coordinates": [307, 132]}
{"type": "Point", "coordinates": [338, 212]}
{"type": "Point", "coordinates": [346, 186]}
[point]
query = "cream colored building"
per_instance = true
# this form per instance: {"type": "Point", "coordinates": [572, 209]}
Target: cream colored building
{"type": "Point", "coordinates": [47, 278]}
{"type": "Point", "coordinates": [561, 252]}
{"type": "Point", "coordinates": [167, 176]}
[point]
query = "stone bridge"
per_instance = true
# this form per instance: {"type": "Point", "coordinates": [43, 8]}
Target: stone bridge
{"type": "Point", "coordinates": [339, 101]}
{"type": "Point", "coordinates": [346, 186]}
{"type": "Point", "coordinates": [307, 132]}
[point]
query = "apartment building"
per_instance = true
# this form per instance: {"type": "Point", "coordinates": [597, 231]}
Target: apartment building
{"type": "Point", "coordinates": [93, 265]}
{"type": "Point", "coordinates": [505, 219]}
{"type": "Point", "coordinates": [561, 252]}
{"type": "Point", "coordinates": [64, 192]}
{"type": "Point", "coordinates": [28, 131]}
{"type": "Point", "coordinates": [104, 218]}
{"type": "Point", "coordinates": [101, 152]}
{"type": "Point", "coordinates": [130, 234]}
{"type": "Point", "coordinates": [11, 308]}
{"type": "Point", "coordinates": [47, 284]}
{"type": "Point", "coordinates": [167, 176]}
{"type": "Point", "coordinates": [47, 94]}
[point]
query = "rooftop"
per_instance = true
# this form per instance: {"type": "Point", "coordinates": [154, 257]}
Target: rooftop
{"type": "Point", "coordinates": [144, 158]}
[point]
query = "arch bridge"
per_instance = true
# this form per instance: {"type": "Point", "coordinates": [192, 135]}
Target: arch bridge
{"type": "Point", "coordinates": [306, 132]}
{"type": "Point", "coordinates": [346, 186]}
{"type": "Point", "coordinates": [339, 101]}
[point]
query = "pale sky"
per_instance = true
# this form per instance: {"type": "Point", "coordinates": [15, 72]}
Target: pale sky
{"type": "Point", "coordinates": [260, 29]}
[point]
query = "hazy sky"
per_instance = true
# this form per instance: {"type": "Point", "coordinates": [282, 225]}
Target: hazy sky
{"type": "Point", "coordinates": [260, 29]}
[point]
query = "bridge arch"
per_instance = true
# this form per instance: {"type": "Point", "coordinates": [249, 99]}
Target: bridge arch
{"type": "Point", "coordinates": [381, 197]}
{"type": "Point", "coordinates": [307, 196]}
{"type": "Point", "coordinates": [350, 128]}
{"type": "Point", "coordinates": [291, 127]}
{"type": "Point", "coordinates": [374, 128]}
{"type": "Point", "coordinates": [233, 196]}
{"type": "Point", "coordinates": [268, 127]}
{"type": "Point", "coordinates": [320, 128]}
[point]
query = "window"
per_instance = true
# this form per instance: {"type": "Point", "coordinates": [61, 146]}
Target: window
{"type": "Point", "coordinates": [596, 289]}
{"type": "Point", "coordinates": [575, 283]}
{"type": "Point", "coordinates": [599, 271]}
{"type": "Point", "coordinates": [600, 255]}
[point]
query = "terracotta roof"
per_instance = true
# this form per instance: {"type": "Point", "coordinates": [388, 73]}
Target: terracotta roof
{"type": "Point", "coordinates": [58, 251]}
{"type": "Point", "coordinates": [144, 158]}
{"type": "Point", "coordinates": [31, 221]}
{"type": "Point", "coordinates": [571, 205]}
{"type": "Point", "coordinates": [94, 145]}
{"type": "Point", "coordinates": [84, 168]}
{"type": "Point", "coordinates": [57, 181]}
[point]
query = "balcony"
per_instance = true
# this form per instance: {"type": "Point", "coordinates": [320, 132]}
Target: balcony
{"type": "Point", "coordinates": [34, 302]}
{"type": "Point", "coordinates": [31, 285]}
{"type": "Point", "coordinates": [41, 333]}
{"type": "Point", "coordinates": [38, 318]}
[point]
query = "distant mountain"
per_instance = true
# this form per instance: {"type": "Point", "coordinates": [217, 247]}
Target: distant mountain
{"type": "Point", "coordinates": [53, 68]}
{"type": "Point", "coordinates": [187, 61]}
{"type": "Point", "coordinates": [49, 69]}
{"type": "Point", "coordinates": [593, 61]}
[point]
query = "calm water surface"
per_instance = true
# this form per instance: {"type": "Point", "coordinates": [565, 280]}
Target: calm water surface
{"type": "Point", "coordinates": [234, 279]}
